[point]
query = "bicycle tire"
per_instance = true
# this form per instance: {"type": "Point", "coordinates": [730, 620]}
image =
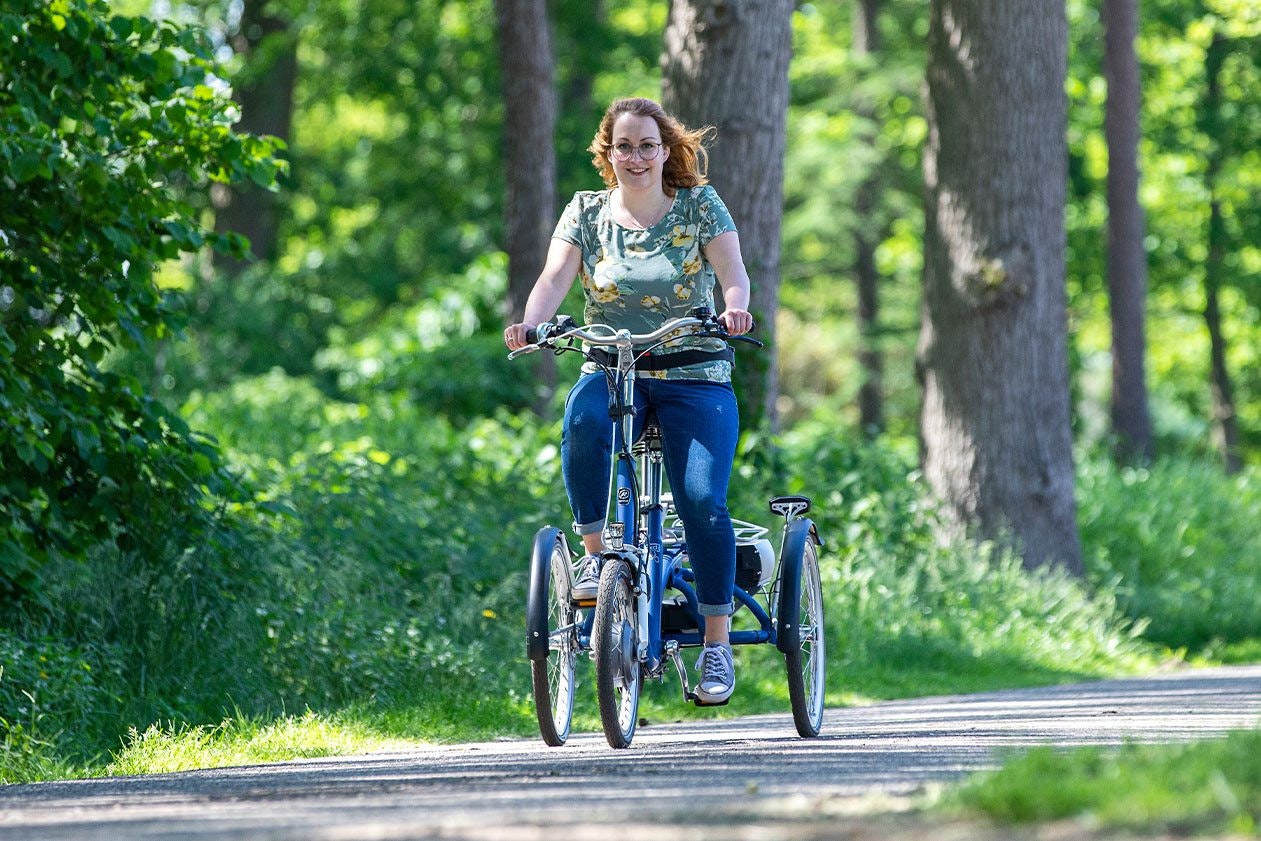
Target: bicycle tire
{"type": "Point", "coordinates": [614, 642]}
{"type": "Point", "coordinates": [553, 652]}
{"type": "Point", "coordinates": [803, 641]}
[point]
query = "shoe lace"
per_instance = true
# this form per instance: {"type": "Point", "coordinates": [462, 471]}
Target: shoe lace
{"type": "Point", "coordinates": [590, 567]}
{"type": "Point", "coordinates": [715, 667]}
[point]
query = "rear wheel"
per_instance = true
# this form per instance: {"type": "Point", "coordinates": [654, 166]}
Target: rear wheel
{"type": "Point", "coordinates": [614, 641]}
{"type": "Point", "coordinates": [552, 637]}
{"type": "Point", "coordinates": [807, 662]}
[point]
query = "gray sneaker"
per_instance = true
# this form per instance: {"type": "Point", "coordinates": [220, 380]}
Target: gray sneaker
{"type": "Point", "coordinates": [587, 584]}
{"type": "Point", "coordinates": [718, 673]}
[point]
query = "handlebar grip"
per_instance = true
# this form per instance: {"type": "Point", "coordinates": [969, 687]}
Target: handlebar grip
{"type": "Point", "coordinates": [545, 331]}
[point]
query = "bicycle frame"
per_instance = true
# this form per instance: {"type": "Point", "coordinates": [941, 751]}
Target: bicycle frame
{"type": "Point", "coordinates": [637, 533]}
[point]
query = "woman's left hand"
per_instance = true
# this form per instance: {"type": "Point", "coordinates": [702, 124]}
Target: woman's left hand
{"type": "Point", "coordinates": [737, 321]}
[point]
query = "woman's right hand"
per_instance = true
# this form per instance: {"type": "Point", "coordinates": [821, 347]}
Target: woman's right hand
{"type": "Point", "coordinates": [514, 335]}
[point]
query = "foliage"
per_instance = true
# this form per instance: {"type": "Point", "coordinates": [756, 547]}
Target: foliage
{"type": "Point", "coordinates": [105, 122]}
{"type": "Point", "coordinates": [51, 692]}
{"type": "Point", "coordinates": [1180, 543]}
{"type": "Point", "coordinates": [918, 613]}
{"type": "Point", "coordinates": [414, 351]}
{"type": "Point", "coordinates": [1172, 46]}
{"type": "Point", "coordinates": [853, 121]}
{"type": "Point", "coordinates": [377, 577]}
{"type": "Point", "coordinates": [396, 169]}
{"type": "Point", "coordinates": [1209, 787]}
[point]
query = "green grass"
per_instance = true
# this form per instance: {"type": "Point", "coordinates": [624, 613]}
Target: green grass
{"type": "Point", "coordinates": [244, 741]}
{"type": "Point", "coordinates": [1238, 652]}
{"type": "Point", "coordinates": [1205, 787]}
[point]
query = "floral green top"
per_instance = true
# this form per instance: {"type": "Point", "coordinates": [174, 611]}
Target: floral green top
{"type": "Point", "coordinates": [640, 279]}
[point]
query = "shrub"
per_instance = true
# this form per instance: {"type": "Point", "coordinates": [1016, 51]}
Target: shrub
{"type": "Point", "coordinates": [1181, 544]}
{"type": "Point", "coordinates": [104, 120]}
{"type": "Point", "coordinates": [51, 693]}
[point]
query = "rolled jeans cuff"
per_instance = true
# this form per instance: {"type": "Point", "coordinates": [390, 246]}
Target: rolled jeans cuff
{"type": "Point", "coordinates": [716, 609]}
{"type": "Point", "coordinates": [584, 529]}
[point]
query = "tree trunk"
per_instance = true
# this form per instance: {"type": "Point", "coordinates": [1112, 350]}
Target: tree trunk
{"type": "Point", "coordinates": [1127, 257]}
{"type": "Point", "coordinates": [993, 341]}
{"type": "Point", "coordinates": [726, 65]}
{"type": "Point", "coordinates": [264, 91]}
{"type": "Point", "coordinates": [529, 157]}
{"type": "Point", "coordinates": [1225, 423]}
{"type": "Point", "coordinates": [529, 143]}
{"type": "Point", "coordinates": [867, 42]}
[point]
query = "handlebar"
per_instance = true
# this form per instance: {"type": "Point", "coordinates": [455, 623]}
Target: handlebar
{"type": "Point", "coordinates": [548, 334]}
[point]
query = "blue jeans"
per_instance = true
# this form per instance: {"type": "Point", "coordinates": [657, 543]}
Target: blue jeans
{"type": "Point", "coordinates": [699, 427]}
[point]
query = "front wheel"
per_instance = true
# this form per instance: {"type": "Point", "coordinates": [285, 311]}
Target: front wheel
{"type": "Point", "coordinates": [615, 644]}
{"type": "Point", "coordinates": [803, 644]}
{"type": "Point", "coordinates": [551, 636]}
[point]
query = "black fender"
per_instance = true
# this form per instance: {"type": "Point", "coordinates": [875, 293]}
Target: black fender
{"type": "Point", "coordinates": [536, 630]}
{"type": "Point", "coordinates": [791, 557]}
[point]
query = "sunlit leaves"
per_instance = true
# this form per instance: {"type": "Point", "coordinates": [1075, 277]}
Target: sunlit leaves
{"type": "Point", "coordinates": [107, 122]}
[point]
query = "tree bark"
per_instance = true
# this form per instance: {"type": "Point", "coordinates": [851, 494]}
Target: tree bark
{"type": "Point", "coordinates": [264, 91]}
{"type": "Point", "coordinates": [529, 143]}
{"type": "Point", "coordinates": [726, 64]}
{"type": "Point", "coordinates": [867, 42]}
{"type": "Point", "coordinates": [529, 158]}
{"type": "Point", "coordinates": [867, 39]}
{"type": "Point", "coordinates": [993, 342]}
{"type": "Point", "coordinates": [1225, 422]}
{"type": "Point", "coordinates": [1127, 257]}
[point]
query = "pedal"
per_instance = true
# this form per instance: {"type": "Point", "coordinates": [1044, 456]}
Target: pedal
{"type": "Point", "coordinates": [582, 602]}
{"type": "Point", "coordinates": [695, 699]}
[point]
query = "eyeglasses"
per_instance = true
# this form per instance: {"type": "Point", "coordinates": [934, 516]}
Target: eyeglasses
{"type": "Point", "coordinates": [647, 150]}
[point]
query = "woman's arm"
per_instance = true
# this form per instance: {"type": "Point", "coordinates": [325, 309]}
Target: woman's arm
{"type": "Point", "coordinates": [563, 259]}
{"type": "Point", "coordinates": [723, 253]}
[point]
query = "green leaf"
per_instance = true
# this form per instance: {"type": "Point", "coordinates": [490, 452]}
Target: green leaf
{"type": "Point", "coordinates": [122, 26]}
{"type": "Point", "coordinates": [27, 166]}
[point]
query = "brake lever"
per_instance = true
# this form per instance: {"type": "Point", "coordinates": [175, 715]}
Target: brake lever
{"type": "Point", "coordinates": [747, 340]}
{"type": "Point", "coordinates": [727, 337]}
{"type": "Point", "coordinates": [522, 351]}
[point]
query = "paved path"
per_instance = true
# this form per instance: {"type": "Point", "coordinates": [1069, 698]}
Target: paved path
{"type": "Point", "coordinates": [748, 778]}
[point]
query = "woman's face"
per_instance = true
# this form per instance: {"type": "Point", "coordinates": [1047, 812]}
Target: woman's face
{"type": "Point", "coordinates": [633, 137]}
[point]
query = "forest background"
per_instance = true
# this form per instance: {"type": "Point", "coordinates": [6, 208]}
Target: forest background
{"type": "Point", "coordinates": [347, 565]}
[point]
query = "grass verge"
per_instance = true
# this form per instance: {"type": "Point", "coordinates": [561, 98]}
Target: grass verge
{"type": "Point", "coordinates": [1188, 789]}
{"type": "Point", "coordinates": [244, 740]}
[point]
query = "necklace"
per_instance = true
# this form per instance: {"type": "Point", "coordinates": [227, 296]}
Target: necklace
{"type": "Point", "coordinates": [658, 214]}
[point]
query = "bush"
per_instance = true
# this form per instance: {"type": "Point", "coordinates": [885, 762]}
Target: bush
{"type": "Point", "coordinates": [51, 693]}
{"type": "Point", "coordinates": [437, 353]}
{"type": "Point", "coordinates": [381, 560]}
{"type": "Point", "coordinates": [104, 120]}
{"type": "Point", "coordinates": [908, 612]}
{"type": "Point", "coordinates": [1181, 544]}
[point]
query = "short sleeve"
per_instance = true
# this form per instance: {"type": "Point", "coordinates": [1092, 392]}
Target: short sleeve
{"type": "Point", "coordinates": [715, 219]}
{"type": "Point", "coordinates": [569, 228]}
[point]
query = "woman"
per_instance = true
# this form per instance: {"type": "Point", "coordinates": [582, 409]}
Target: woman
{"type": "Point", "coordinates": [648, 249]}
